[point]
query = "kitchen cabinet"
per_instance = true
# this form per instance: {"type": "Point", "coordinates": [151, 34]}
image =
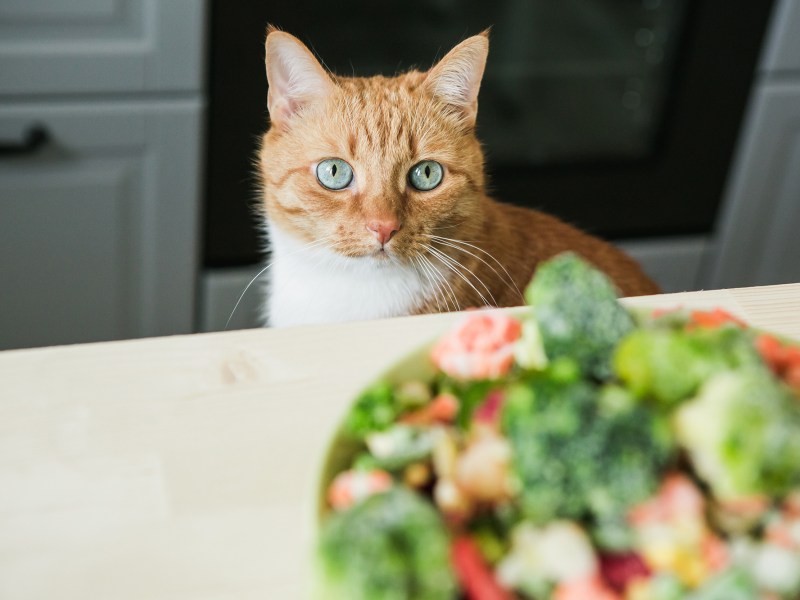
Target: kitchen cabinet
{"type": "Point", "coordinates": [101, 113]}
{"type": "Point", "coordinates": [100, 46]}
{"type": "Point", "coordinates": [93, 225]}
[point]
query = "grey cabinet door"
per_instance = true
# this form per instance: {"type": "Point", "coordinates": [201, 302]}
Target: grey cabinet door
{"type": "Point", "coordinates": [90, 46]}
{"type": "Point", "coordinates": [98, 224]}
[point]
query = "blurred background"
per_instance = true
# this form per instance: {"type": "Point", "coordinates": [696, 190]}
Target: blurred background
{"type": "Point", "coordinates": [128, 129]}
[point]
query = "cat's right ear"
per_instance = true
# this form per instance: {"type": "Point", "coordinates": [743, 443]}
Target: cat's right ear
{"type": "Point", "coordinates": [295, 77]}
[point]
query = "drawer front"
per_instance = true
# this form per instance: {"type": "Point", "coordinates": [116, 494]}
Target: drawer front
{"type": "Point", "coordinates": [98, 222]}
{"type": "Point", "coordinates": [89, 46]}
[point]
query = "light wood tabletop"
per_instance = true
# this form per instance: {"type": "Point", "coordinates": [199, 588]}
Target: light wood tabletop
{"type": "Point", "coordinates": [184, 467]}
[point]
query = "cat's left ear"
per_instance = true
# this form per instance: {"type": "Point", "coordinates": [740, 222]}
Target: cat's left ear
{"type": "Point", "coordinates": [456, 79]}
{"type": "Point", "coordinates": [295, 77]}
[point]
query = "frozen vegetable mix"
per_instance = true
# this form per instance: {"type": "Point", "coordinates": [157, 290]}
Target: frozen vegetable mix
{"type": "Point", "coordinates": [572, 450]}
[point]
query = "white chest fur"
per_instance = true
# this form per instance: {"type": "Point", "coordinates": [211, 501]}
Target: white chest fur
{"type": "Point", "coordinates": [316, 285]}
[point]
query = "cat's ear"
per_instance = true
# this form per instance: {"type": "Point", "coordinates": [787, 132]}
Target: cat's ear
{"type": "Point", "coordinates": [456, 79]}
{"type": "Point", "coordinates": [295, 77]}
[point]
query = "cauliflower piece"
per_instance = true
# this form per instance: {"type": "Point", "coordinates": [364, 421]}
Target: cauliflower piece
{"type": "Point", "coordinates": [542, 557]}
{"type": "Point", "coordinates": [741, 435]}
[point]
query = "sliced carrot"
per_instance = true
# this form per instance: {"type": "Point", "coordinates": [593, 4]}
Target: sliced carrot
{"type": "Point", "coordinates": [587, 588]}
{"type": "Point", "coordinates": [792, 355]}
{"type": "Point", "coordinates": [792, 376]}
{"type": "Point", "coordinates": [715, 318]}
{"type": "Point", "coordinates": [661, 312]}
{"type": "Point", "coordinates": [783, 359]}
{"type": "Point", "coordinates": [774, 353]}
{"type": "Point", "coordinates": [715, 552]}
{"type": "Point", "coordinates": [746, 506]}
{"type": "Point", "coordinates": [780, 535]}
{"type": "Point", "coordinates": [477, 579]}
{"type": "Point", "coordinates": [442, 409]}
{"type": "Point", "coordinates": [771, 350]}
{"type": "Point", "coordinates": [351, 487]}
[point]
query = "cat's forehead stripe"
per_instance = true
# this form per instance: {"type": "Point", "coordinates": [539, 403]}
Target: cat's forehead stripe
{"type": "Point", "coordinates": [382, 113]}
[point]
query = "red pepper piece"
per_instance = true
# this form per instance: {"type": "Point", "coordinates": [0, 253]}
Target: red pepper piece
{"type": "Point", "coordinates": [772, 352]}
{"type": "Point", "coordinates": [620, 569]}
{"type": "Point", "coordinates": [489, 410]}
{"type": "Point", "coordinates": [783, 359]}
{"type": "Point", "coordinates": [477, 579]}
{"type": "Point", "coordinates": [715, 318]}
{"type": "Point", "coordinates": [442, 409]}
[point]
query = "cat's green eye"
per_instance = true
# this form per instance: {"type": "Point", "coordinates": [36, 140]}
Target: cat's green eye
{"type": "Point", "coordinates": [334, 173]}
{"type": "Point", "coordinates": [426, 175]}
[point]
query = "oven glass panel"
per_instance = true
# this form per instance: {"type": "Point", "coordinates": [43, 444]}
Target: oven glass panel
{"type": "Point", "coordinates": [566, 81]}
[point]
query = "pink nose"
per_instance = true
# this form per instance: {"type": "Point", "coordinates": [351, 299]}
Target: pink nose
{"type": "Point", "coordinates": [383, 229]}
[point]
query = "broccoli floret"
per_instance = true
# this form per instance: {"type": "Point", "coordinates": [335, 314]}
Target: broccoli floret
{"type": "Point", "coordinates": [741, 434]}
{"type": "Point", "coordinates": [581, 450]}
{"type": "Point", "coordinates": [391, 546]}
{"type": "Point", "coordinates": [375, 410]}
{"type": "Point", "coordinates": [578, 314]}
{"type": "Point", "coordinates": [400, 445]}
{"type": "Point", "coordinates": [670, 364]}
{"type": "Point", "coordinates": [636, 446]}
{"type": "Point", "coordinates": [470, 394]}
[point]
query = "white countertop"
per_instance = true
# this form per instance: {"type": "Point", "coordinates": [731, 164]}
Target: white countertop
{"type": "Point", "coordinates": [182, 467]}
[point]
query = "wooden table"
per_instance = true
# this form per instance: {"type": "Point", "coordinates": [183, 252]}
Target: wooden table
{"type": "Point", "coordinates": [183, 467]}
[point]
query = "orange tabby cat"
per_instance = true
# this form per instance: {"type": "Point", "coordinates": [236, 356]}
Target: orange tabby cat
{"type": "Point", "coordinates": [375, 202]}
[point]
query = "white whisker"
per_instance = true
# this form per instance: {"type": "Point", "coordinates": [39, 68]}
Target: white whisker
{"type": "Point", "coordinates": [510, 281]}
{"type": "Point", "coordinates": [444, 280]}
{"type": "Point", "coordinates": [452, 264]}
{"type": "Point", "coordinates": [455, 263]}
{"type": "Point", "coordinates": [264, 270]}
{"type": "Point", "coordinates": [446, 289]}
{"type": "Point", "coordinates": [434, 287]}
{"type": "Point", "coordinates": [453, 226]}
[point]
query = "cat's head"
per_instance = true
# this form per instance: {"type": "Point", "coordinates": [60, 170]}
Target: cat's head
{"type": "Point", "coordinates": [372, 166]}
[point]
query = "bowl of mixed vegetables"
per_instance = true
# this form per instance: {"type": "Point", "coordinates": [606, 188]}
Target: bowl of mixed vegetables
{"type": "Point", "coordinates": [571, 450]}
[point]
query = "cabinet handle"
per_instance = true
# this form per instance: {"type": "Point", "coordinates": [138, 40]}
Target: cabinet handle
{"type": "Point", "coordinates": [34, 139]}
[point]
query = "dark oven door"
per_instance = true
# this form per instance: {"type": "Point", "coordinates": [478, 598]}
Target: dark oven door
{"type": "Point", "coordinates": [620, 116]}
